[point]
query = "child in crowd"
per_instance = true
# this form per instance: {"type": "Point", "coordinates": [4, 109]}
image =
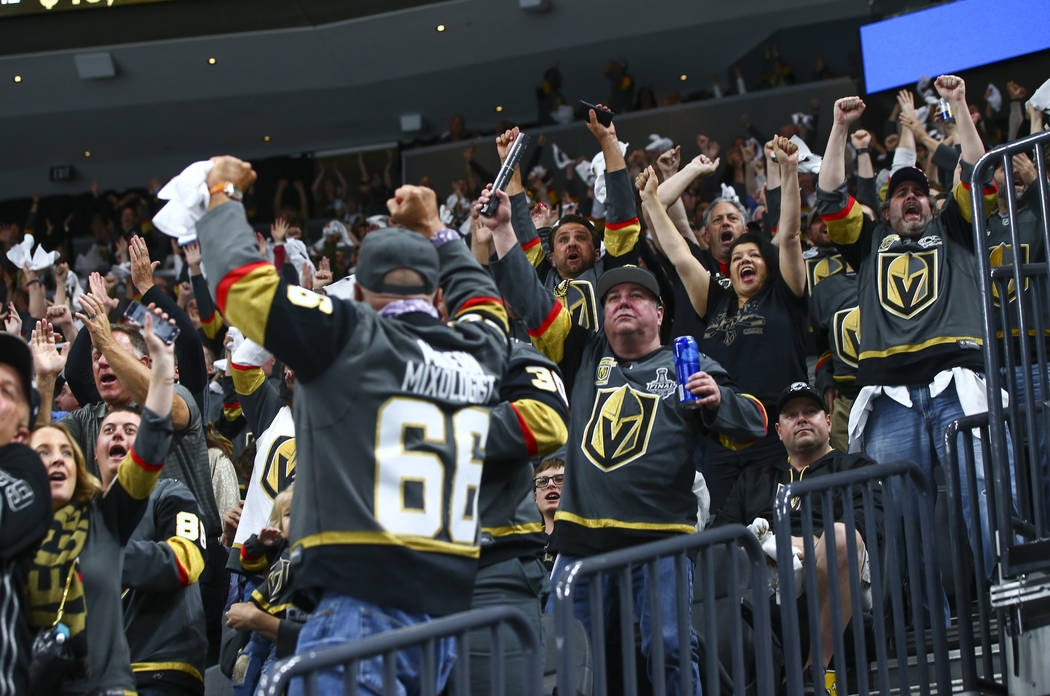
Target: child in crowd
{"type": "Point", "coordinates": [269, 615]}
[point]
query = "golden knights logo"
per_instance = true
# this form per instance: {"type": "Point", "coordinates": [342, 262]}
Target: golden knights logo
{"type": "Point", "coordinates": [578, 298]}
{"type": "Point", "coordinates": [601, 374]}
{"type": "Point", "coordinates": [620, 426]}
{"type": "Point", "coordinates": [280, 466]}
{"type": "Point", "coordinates": [908, 281]}
{"type": "Point", "coordinates": [1002, 255]}
{"type": "Point", "coordinates": [819, 267]}
{"type": "Point", "coordinates": [846, 323]}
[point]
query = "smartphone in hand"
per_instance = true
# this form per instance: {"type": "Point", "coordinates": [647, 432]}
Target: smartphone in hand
{"type": "Point", "coordinates": [604, 116]}
{"type": "Point", "coordinates": [136, 314]}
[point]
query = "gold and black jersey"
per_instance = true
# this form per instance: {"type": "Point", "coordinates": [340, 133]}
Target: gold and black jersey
{"type": "Point", "coordinates": [836, 318]}
{"type": "Point", "coordinates": [391, 418]}
{"type": "Point", "coordinates": [621, 232]}
{"type": "Point", "coordinates": [918, 296]}
{"type": "Point", "coordinates": [530, 421]}
{"type": "Point", "coordinates": [1005, 291]}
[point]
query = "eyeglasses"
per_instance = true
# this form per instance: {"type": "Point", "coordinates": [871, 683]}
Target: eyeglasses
{"type": "Point", "coordinates": [543, 481]}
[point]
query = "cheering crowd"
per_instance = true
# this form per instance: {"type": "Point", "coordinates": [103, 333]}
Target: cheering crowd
{"type": "Point", "coordinates": [466, 403]}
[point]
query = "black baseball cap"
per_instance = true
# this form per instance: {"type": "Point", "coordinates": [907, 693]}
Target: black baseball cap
{"type": "Point", "coordinates": [389, 249]}
{"type": "Point", "coordinates": [800, 390]}
{"type": "Point", "coordinates": [908, 174]}
{"type": "Point", "coordinates": [627, 274]}
{"type": "Point", "coordinates": [14, 351]}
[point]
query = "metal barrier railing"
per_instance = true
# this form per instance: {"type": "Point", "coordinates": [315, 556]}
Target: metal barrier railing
{"type": "Point", "coordinates": [907, 629]}
{"type": "Point", "coordinates": [618, 566]}
{"type": "Point", "coordinates": [1016, 301]}
{"type": "Point", "coordinates": [972, 599]}
{"type": "Point", "coordinates": [424, 637]}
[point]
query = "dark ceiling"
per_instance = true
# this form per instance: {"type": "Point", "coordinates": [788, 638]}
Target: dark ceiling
{"type": "Point", "coordinates": [101, 25]}
{"type": "Point", "coordinates": [293, 77]}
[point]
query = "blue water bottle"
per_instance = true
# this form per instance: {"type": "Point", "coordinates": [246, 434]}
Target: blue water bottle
{"type": "Point", "coordinates": [686, 363]}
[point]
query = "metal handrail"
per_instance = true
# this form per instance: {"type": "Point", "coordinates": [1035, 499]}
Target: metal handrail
{"type": "Point", "coordinates": [679, 547]}
{"type": "Point", "coordinates": [997, 429]}
{"type": "Point", "coordinates": [387, 644]}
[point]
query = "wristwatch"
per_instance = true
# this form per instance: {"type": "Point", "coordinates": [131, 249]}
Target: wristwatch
{"type": "Point", "coordinates": [229, 189]}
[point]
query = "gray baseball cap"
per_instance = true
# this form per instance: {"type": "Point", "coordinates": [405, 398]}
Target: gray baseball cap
{"type": "Point", "coordinates": [392, 248]}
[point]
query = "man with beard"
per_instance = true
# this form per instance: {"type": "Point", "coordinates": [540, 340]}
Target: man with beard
{"type": "Point", "coordinates": [574, 266]}
{"type": "Point", "coordinates": [920, 323]}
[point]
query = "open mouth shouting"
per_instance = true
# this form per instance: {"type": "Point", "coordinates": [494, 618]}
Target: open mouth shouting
{"type": "Point", "coordinates": [911, 211]}
{"type": "Point", "coordinates": [748, 273]}
{"type": "Point", "coordinates": [117, 452]}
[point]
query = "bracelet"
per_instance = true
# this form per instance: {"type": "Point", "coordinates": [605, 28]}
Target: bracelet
{"type": "Point", "coordinates": [863, 150]}
{"type": "Point", "coordinates": [31, 281]}
{"type": "Point", "coordinates": [228, 189]}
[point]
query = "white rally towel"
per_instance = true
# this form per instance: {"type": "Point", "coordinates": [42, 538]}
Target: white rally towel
{"type": "Point", "coordinates": [187, 195]}
{"type": "Point", "coordinates": [808, 161]}
{"type": "Point", "coordinates": [250, 354]}
{"type": "Point", "coordinates": [561, 160]}
{"type": "Point", "coordinates": [598, 169]}
{"type": "Point", "coordinates": [729, 193]}
{"type": "Point", "coordinates": [659, 144]}
{"type": "Point", "coordinates": [275, 461]}
{"type": "Point", "coordinates": [1041, 97]}
{"type": "Point", "coordinates": [22, 255]}
{"type": "Point", "coordinates": [768, 541]}
{"type": "Point", "coordinates": [298, 257]}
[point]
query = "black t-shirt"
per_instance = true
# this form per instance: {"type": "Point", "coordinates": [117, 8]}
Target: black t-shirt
{"type": "Point", "coordinates": [761, 344]}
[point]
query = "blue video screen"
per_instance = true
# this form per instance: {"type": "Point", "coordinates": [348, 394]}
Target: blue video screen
{"type": "Point", "coordinates": [951, 37]}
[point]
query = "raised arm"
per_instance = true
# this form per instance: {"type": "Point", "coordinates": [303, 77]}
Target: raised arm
{"type": "Point", "coordinates": [672, 187]}
{"type": "Point", "coordinates": [668, 164]}
{"type": "Point", "coordinates": [953, 90]}
{"type": "Point", "coordinates": [695, 277]}
{"type": "Point", "coordinates": [35, 289]}
{"type": "Point", "coordinates": [133, 375]}
{"type": "Point", "coordinates": [549, 322]}
{"type": "Point", "coordinates": [126, 498]}
{"type": "Point", "coordinates": [866, 194]}
{"type": "Point", "coordinates": [305, 330]}
{"type": "Point", "coordinates": [47, 364]}
{"type": "Point", "coordinates": [833, 168]}
{"type": "Point", "coordinates": [792, 265]}
{"type": "Point", "coordinates": [606, 137]}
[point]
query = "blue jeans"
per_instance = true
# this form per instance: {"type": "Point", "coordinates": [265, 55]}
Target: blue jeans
{"type": "Point", "coordinates": [258, 650]}
{"type": "Point", "coordinates": [916, 434]}
{"type": "Point", "coordinates": [341, 618]}
{"type": "Point", "coordinates": [668, 613]}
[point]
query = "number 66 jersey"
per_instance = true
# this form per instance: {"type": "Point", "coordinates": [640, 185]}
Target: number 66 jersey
{"type": "Point", "coordinates": [391, 418]}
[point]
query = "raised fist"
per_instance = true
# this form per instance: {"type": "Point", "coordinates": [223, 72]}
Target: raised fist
{"type": "Point", "coordinates": [951, 87]}
{"type": "Point", "coordinates": [785, 149]}
{"type": "Point", "coordinates": [860, 138]}
{"type": "Point", "coordinates": [848, 109]}
{"type": "Point", "coordinates": [227, 168]}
